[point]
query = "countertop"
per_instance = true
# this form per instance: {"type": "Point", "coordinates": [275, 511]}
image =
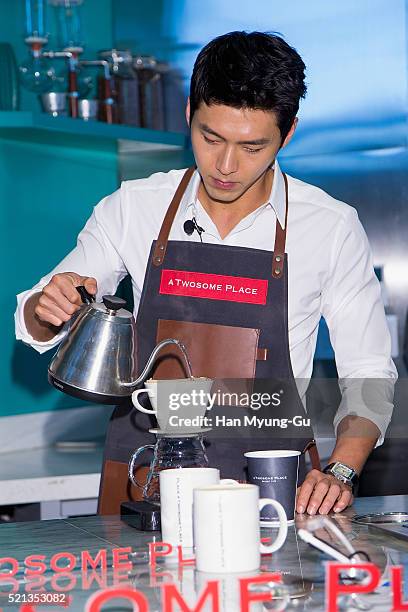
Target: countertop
{"type": "Point", "coordinates": [53, 473]}
{"type": "Point", "coordinates": [302, 567]}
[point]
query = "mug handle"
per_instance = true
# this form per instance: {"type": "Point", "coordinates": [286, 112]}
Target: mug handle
{"type": "Point", "coordinates": [131, 467]}
{"type": "Point", "coordinates": [283, 525]}
{"type": "Point", "coordinates": [136, 404]}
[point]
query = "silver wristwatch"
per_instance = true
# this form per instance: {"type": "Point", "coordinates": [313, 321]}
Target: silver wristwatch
{"type": "Point", "coordinates": [342, 472]}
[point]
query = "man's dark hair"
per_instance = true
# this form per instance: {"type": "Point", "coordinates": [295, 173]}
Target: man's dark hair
{"type": "Point", "coordinates": [250, 70]}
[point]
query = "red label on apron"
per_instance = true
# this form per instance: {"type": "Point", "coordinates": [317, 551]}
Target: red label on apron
{"type": "Point", "coordinates": [214, 286]}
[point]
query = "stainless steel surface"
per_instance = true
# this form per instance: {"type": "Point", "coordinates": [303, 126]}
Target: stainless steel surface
{"type": "Point", "coordinates": [302, 567]}
{"type": "Point", "coordinates": [54, 103]}
{"type": "Point", "coordinates": [398, 531]}
{"type": "Point", "coordinates": [153, 356]}
{"type": "Point", "coordinates": [98, 354]}
{"type": "Point", "coordinates": [393, 524]}
{"type": "Point", "coordinates": [88, 109]}
{"type": "Point", "coordinates": [97, 358]}
{"type": "Point", "coordinates": [381, 518]}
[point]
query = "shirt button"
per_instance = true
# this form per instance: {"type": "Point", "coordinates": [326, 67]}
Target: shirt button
{"type": "Point", "coordinates": [277, 258]}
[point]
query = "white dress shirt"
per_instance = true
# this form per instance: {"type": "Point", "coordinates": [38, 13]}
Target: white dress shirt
{"type": "Point", "coordinates": [330, 272]}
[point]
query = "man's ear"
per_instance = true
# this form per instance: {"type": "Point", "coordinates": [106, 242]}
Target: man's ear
{"type": "Point", "coordinates": [188, 111]}
{"type": "Point", "coordinates": [290, 133]}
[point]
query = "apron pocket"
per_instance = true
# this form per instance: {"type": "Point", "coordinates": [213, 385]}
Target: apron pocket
{"type": "Point", "coordinates": [215, 351]}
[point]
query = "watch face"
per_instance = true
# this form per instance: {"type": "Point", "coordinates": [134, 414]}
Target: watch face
{"type": "Point", "coordinates": [343, 470]}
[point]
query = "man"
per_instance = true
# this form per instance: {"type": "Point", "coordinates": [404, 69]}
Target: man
{"type": "Point", "coordinates": [238, 217]}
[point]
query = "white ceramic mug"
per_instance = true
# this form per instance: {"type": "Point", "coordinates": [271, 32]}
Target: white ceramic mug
{"type": "Point", "coordinates": [176, 501]}
{"type": "Point", "coordinates": [184, 399]}
{"type": "Point", "coordinates": [226, 528]}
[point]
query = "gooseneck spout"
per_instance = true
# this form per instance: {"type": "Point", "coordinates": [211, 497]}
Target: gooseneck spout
{"type": "Point", "coordinates": [152, 359]}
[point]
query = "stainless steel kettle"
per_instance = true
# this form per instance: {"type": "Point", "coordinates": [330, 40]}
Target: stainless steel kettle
{"type": "Point", "coordinates": [96, 361]}
{"type": "Point", "coordinates": [99, 352]}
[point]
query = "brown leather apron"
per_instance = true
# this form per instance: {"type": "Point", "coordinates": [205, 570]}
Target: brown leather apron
{"type": "Point", "coordinates": [228, 305]}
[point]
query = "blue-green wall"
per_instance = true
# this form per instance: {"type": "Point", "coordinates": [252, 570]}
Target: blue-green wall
{"type": "Point", "coordinates": [46, 194]}
{"type": "Point", "coordinates": [48, 186]}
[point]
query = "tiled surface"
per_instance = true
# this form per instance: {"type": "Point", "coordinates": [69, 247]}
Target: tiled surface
{"type": "Point", "coordinates": [111, 529]}
{"type": "Point", "coordinates": [47, 538]}
{"type": "Point", "coordinates": [301, 566]}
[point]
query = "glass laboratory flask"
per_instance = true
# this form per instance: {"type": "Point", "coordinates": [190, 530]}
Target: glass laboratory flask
{"type": "Point", "coordinates": [36, 21]}
{"type": "Point", "coordinates": [183, 451]}
{"type": "Point", "coordinates": [69, 24]}
{"type": "Point", "coordinates": [36, 73]}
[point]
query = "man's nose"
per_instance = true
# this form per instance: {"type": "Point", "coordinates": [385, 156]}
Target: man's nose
{"type": "Point", "coordinates": [227, 161]}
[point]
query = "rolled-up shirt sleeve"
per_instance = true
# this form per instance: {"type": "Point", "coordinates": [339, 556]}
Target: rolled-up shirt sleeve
{"type": "Point", "coordinates": [97, 254]}
{"type": "Point", "coordinates": [354, 313]}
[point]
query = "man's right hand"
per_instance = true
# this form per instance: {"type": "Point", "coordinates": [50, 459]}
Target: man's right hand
{"type": "Point", "coordinates": [46, 312]}
{"type": "Point", "coordinates": [59, 300]}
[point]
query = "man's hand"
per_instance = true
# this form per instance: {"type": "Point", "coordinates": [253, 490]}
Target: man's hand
{"type": "Point", "coordinates": [46, 312]}
{"type": "Point", "coordinates": [59, 300]}
{"type": "Point", "coordinates": [321, 493]}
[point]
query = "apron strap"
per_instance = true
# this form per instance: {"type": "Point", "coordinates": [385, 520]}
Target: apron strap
{"type": "Point", "coordinates": [280, 239]}
{"type": "Point", "coordinates": [311, 448]}
{"type": "Point", "coordinates": [161, 244]}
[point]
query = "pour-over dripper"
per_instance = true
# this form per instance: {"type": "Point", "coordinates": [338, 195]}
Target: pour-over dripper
{"type": "Point", "coordinates": [179, 405]}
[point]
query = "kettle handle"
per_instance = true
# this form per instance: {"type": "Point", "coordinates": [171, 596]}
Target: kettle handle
{"type": "Point", "coordinates": [86, 297]}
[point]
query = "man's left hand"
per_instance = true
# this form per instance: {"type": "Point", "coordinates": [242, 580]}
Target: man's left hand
{"type": "Point", "coordinates": [321, 493]}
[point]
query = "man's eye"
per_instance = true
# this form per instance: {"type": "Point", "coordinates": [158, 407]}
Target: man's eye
{"type": "Point", "coordinates": [209, 140]}
{"type": "Point", "coordinates": [248, 150]}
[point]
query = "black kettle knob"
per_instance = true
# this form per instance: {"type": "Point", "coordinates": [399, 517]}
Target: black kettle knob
{"type": "Point", "coordinates": [112, 302]}
{"type": "Point", "coordinates": [86, 297]}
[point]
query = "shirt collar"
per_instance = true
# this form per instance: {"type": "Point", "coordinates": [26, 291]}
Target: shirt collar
{"type": "Point", "coordinates": [277, 197]}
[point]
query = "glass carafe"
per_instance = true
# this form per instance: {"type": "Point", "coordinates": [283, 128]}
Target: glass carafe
{"type": "Point", "coordinates": [168, 452]}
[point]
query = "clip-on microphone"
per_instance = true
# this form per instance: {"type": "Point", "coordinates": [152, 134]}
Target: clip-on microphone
{"type": "Point", "coordinates": [190, 226]}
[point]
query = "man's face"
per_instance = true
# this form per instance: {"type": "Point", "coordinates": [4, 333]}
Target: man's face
{"type": "Point", "coordinates": [233, 148]}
